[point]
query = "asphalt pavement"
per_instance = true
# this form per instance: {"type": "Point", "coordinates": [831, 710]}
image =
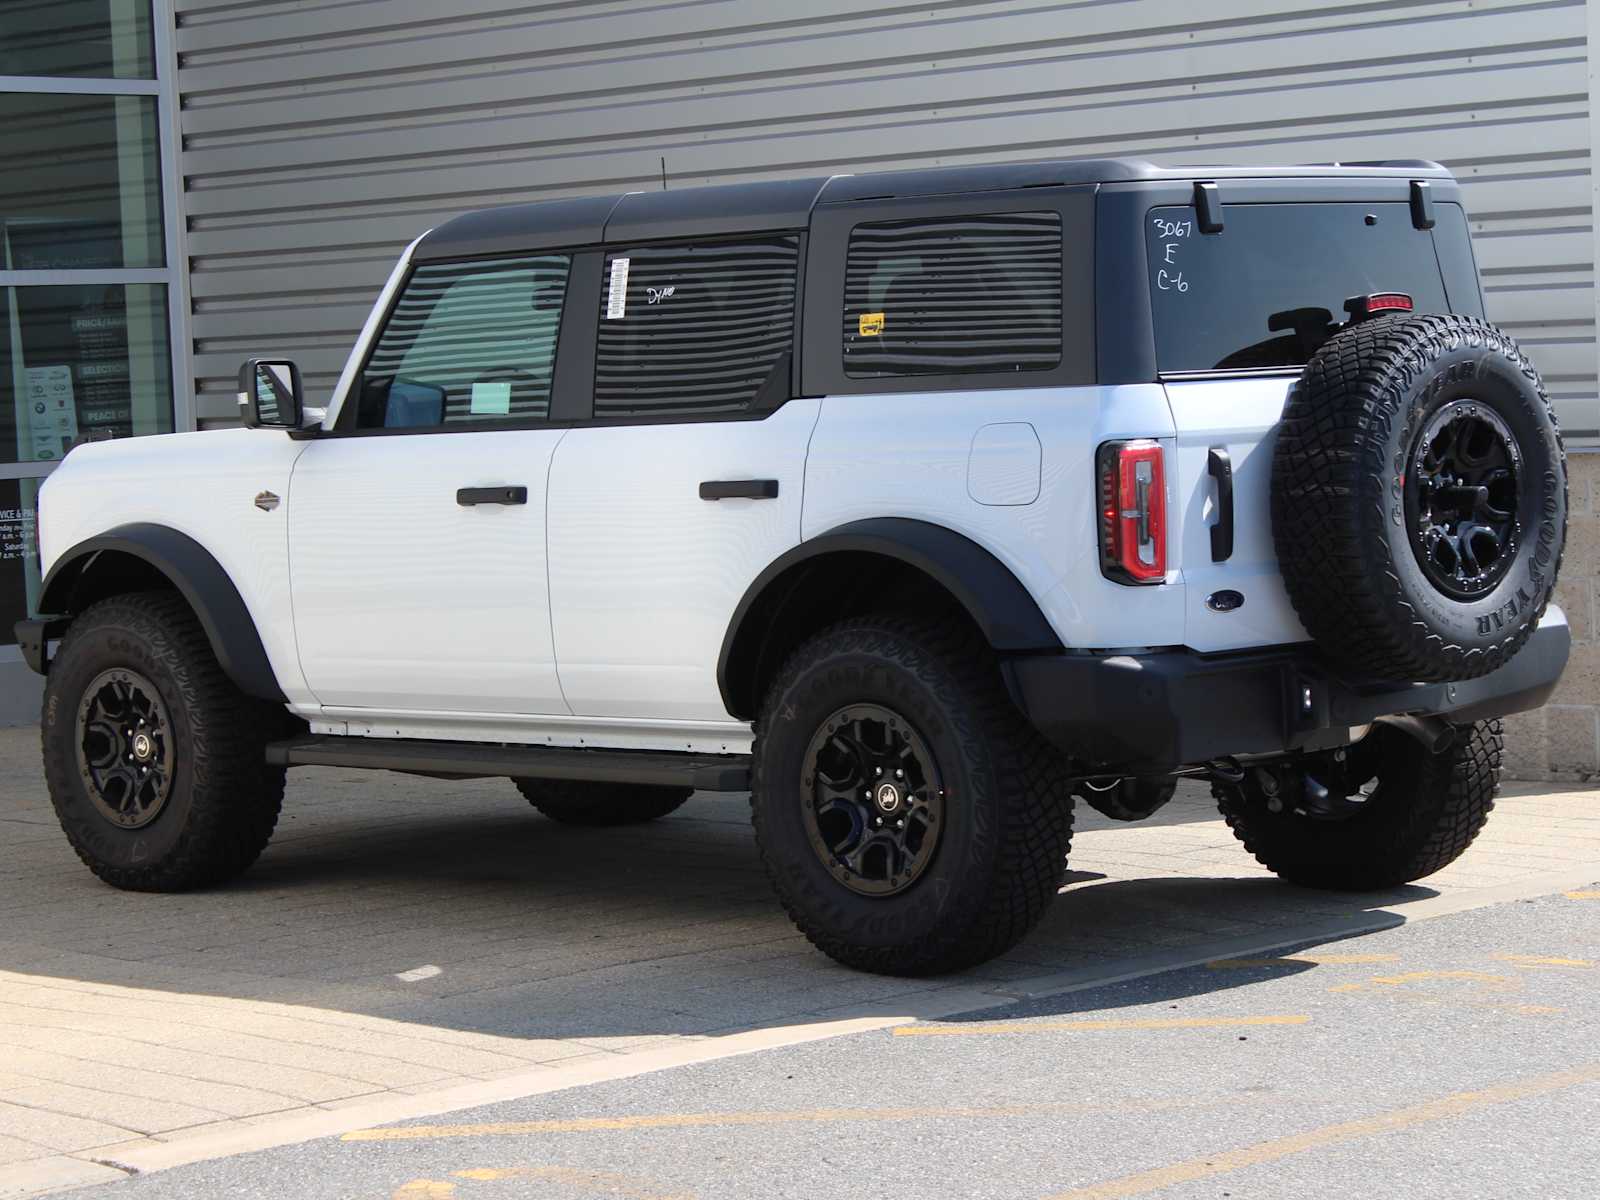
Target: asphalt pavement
{"type": "Point", "coordinates": [412, 950]}
{"type": "Point", "coordinates": [1447, 1059]}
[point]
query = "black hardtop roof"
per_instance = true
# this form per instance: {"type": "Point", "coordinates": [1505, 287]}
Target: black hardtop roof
{"type": "Point", "coordinates": [787, 204]}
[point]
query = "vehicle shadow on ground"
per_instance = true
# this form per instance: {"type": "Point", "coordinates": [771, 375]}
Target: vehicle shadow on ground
{"type": "Point", "coordinates": [542, 930]}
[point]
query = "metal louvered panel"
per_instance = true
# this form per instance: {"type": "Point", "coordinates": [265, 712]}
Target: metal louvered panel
{"type": "Point", "coordinates": [953, 295]}
{"type": "Point", "coordinates": [321, 135]}
{"type": "Point", "coordinates": [700, 329]}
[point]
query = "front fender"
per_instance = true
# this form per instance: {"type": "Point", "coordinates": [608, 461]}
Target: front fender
{"type": "Point", "coordinates": [190, 568]}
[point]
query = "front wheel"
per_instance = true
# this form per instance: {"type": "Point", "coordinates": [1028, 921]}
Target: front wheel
{"type": "Point", "coordinates": [1398, 812]}
{"type": "Point", "coordinates": [908, 817]}
{"type": "Point", "coordinates": [155, 761]}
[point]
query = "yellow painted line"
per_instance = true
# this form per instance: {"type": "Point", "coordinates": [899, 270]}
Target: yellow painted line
{"type": "Point", "coordinates": [1582, 895]}
{"type": "Point", "coordinates": [805, 1116]}
{"type": "Point", "coordinates": [1472, 1001]}
{"type": "Point", "coordinates": [425, 1189]}
{"type": "Point", "coordinates": [1442, 1109]}
{"type": "Point", "coordinates": [1315, 960]}
{"type": "Point", "coordinates": [1536, 960]}
{"type": "Point", "coordinates": [1503, 981]}
{"type": "Point", "coordinates": [1094, 1026]}
{"type": "Point", "coordinates": [607, 1183]}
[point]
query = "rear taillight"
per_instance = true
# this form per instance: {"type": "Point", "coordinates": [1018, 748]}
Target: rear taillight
{"type": "Point", "coordinates": [1133, 512]}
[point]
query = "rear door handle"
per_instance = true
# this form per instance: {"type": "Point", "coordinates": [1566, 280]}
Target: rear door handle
{"type": "Point", "coordinates": [1220, 467]}
{"type": "Point", "coordinates": [504, 494]}
{"type": "Point", "coordinates": [739, 489]}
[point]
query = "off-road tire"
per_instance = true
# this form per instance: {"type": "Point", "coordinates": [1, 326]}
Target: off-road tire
{"type": "Point", "coordinates": [1427, 810]}
{"type": "Point", "coordinates": [1008, 804]}
{"type": "Point", "coordinates": [224, 799]}
{"type": "Point", "coordinates": [1339, 523]}
{"type": "Point", "coordinates": [574, 802]}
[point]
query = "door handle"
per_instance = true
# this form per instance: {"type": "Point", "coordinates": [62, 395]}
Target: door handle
{"type": "Point", "coordinates": [739, 489]}
{"type": "Point", "coordinates": [1220, 467]}
{"type": "Point", "coordinates": [504, 494]}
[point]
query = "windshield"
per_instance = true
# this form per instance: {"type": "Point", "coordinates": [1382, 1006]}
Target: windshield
{"type": "Point", "coordinates": [1271, 287]}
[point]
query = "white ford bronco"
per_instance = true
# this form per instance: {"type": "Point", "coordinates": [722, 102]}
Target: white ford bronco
{"type": "Point", "coordinates": [916, 504]}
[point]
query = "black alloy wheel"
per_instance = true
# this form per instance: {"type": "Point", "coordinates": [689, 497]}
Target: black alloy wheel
{"type": "Point", "coordinates": [125, 750]}
{"type": "Point", "coordinates": [1419, 498]}
{"type": "Point", "coordinates": [155, 761]}
{"type": "Point", "coordinates": [910, 821]}
{"type": "Point", "coordinates": [1461, 499]}
{"type": "Point", "coordinates": [874, 799]}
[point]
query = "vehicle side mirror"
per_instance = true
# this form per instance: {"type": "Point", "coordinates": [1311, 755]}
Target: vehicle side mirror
{"type": "Point", "coordinates": [269, 394]}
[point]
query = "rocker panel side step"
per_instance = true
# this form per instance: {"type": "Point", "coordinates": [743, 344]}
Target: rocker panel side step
{"type": "Point", "coordinates": [467, 760]}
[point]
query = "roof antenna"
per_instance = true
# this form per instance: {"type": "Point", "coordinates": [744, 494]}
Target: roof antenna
{"type": "Point", "coordinates": [663, 172]}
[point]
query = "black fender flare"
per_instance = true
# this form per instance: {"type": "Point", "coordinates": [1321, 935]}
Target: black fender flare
{"type": "Point", "coordinates": [199, 578]}
{"type": "Point", "coordinates": [1002, 608]}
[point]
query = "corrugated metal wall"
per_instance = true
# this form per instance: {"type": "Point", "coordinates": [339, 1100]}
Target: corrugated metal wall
{"type": "Point", "coordinates": [321, 135]}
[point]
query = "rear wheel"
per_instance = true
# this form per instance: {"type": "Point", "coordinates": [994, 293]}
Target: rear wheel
{"type": "Point", "coordinates": [1396, 812]}
{"type": "Point", "coordinates": [574, 802]}
{"type": "Point", "coordinates": [155, 761]}
{"type": "Point", "coordinates": [910, 820]}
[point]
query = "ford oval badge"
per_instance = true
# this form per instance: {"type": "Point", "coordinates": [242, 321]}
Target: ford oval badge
{"type": "Point", "coordinates": [1224, 601]}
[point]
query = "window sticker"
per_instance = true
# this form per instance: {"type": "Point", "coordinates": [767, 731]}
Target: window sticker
{"type": "Point", "coordinates": [617, 291]}
{"type": "Point", "coordinates": [491, 399]}
{"type": "Point", "coordinates": [871, 324]}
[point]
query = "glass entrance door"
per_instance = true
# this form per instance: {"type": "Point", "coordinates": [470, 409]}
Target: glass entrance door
{"type": "Point", "coordinates": [90, 311]}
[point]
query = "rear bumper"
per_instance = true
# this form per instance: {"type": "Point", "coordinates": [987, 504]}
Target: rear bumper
{"type": "Point", "coordinates": [1159, 711]}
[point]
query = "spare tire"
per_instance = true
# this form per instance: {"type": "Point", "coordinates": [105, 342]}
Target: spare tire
{"type": "Point", "coordinates": [1419, 498]}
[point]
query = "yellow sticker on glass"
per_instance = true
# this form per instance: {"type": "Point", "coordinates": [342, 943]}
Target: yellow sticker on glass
{"type": "Point", "coordinates": [871, 324]}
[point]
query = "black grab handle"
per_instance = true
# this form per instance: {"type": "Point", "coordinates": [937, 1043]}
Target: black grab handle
{"type": "Point", "coordinates": [1220, 467]}
{"type": "Point", "coordinates": [739, 489]}
{"type": "Point", "coordinates": [517, 494]}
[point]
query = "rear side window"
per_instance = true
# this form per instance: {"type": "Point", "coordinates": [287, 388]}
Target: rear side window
{"type": "Point", "coordinates": [466, 344]}
{"type": "Point", "coordinates": [954, 295]}
{"type": "Point", "coordinates": [1269, 289]}
{"type": "Point", "coordinates": [695, 330]}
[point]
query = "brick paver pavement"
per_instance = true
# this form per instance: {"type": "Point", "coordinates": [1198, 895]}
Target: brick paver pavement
{"type": "Point", "coordinates": [530, 946]}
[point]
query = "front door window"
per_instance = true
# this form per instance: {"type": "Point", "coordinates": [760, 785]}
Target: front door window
{"type": "Point", "coordinates": [467, 344]}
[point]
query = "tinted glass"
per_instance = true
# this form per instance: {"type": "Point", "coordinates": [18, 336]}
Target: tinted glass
{"type": "Point", "coordinates": [80, 182]}
{"type": "Point", "coordinates": [954, 295]}
{"type": "Point", "coordinates": [110, 39]}
{"type": "Point", "coordinates": [695, 329]}
{"type": "Point", "coordinates": [89, 360]}
{"type": "Point", "coordinates": [468, 343]}
{"type": "Point", "coordinates": [1271, 287]}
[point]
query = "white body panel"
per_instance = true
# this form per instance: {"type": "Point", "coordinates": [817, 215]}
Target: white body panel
{"type": "Point", "coordinates": [908, 455]}
{"type": "Point", "coordinates": [405, 599]}
{"type": "Point", "coordinates": [388, 610]}
{"type": "Point", "coordinates": [203, 485]}
{"type": "Point", "coordinates": [1240, 416]}
{"type": "Point", "coordinates": [645, 575]}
